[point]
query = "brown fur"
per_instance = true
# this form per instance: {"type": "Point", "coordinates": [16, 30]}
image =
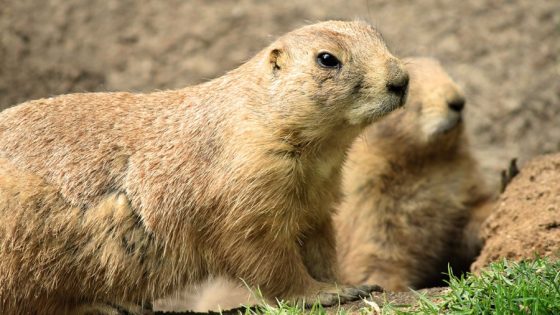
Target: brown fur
{"type": "Point", "coordinates": [434, 177]}
{"type": "Point", "coordinates": [121, 198]}
{"type": "Point", "coordinates": [410, 184]}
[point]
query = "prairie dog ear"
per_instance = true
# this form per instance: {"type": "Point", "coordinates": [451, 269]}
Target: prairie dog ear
{"type": "Point", "coordinates": [277, 59]}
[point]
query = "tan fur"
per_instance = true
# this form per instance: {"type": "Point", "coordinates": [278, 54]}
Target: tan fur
{"type": "Point", "coordinates": [410, 184]}
{"type": "Point", "coordinates": [121, 198]}
{"type": "Point", "coordinates": [443, 168]}
{"type": "Point", "coordinates": [216, 294]}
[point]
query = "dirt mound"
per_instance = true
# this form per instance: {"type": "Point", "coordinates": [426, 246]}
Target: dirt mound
{"type": "Point", "coordinates": [527, 219]}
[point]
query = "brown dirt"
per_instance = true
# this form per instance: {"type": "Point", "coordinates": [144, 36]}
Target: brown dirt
{"type": "Point", "coordinates": [399, 300]}
{"type": "Point", "coordinates": [527, 220]}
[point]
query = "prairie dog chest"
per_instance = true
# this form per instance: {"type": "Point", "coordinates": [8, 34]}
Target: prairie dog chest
{"type": "Point", "coordinates": [328, 165]}
{"type": "Point", "coordinates": [322, 179]}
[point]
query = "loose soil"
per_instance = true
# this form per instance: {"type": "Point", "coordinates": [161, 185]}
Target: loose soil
{"type": "Point", "coordinates": [526, 221]}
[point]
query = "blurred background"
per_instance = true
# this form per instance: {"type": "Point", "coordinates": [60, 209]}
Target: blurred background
{"type": "Point", "coordinates": [504, 53]}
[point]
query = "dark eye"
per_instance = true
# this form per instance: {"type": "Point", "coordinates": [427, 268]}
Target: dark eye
{"type": "Point", "coordinates": [327, 60]}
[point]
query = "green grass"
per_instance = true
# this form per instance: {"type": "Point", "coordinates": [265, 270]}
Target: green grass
{"type": "Point", "coordinates": [286, 309]}
{"type": "Point", "coordinates": [283, 308]}
{"type": "Point", "coordinates": [530, 287]}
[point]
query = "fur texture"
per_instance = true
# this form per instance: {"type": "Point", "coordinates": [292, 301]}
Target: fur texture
{"type": "Point", "coordinates": [411, 185]}
{"type": "Point", "coordinates": [216, 294]}
{"type": "Point", "coordinates": [120, 198]}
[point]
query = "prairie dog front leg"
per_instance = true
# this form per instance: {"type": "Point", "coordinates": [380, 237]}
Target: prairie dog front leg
{"type": "Point", "coordinates": [319, 252]}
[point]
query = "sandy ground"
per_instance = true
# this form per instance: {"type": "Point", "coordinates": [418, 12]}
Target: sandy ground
{"type": "Point", "coordinates": [504, 53]}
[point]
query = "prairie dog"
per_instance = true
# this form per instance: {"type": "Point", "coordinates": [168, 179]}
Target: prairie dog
{"type": "Point", "coordinates": [115, 199]}
{"type": "Point", "coordinates": [435, 185]}
{"type": "Point", "coordinates": [410, 184]}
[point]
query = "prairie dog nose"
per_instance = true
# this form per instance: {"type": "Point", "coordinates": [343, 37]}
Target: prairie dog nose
{"type": "Point", "coordinates": [397, 78]}
{"type": "Point", "coordinates": [457, 104]}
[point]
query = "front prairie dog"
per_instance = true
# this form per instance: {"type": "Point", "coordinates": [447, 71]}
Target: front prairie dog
{"type": "Point", "coordinates": [401, 234]}
{"type": "Point", "coordinates": [115, 199]}
{"type": "Point", "coordinates": [410, 185]}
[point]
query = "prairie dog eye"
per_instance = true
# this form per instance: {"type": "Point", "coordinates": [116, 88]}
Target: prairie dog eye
{"type": "Point", "coordinates": [327, 60]}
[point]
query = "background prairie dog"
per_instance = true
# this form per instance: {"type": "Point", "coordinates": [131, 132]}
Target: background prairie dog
{"type": "Point", "coordinates": [118, 198]}
{"type": "Point", "coordinates": [410, 184]}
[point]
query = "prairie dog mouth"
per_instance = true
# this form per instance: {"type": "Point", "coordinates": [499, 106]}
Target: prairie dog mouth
{"type": "Point", "coordinates": [401, 100]}
{"type": "Point", "coordinates": [443, 126]}
{"type": "Point", "coordinates": [390, 104]}
{"type": "Point", "coordinates": [368, 111]}
{"type": "Point", "coordinates": [448, 125]}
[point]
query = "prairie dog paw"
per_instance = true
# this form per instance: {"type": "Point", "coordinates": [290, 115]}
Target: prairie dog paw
{"type": "Point", "coordinates": [330, 294]}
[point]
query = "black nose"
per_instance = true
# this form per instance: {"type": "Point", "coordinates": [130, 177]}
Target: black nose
{"type": "Point", "coordinates": [398, 86]}
{"type": "Point", "coordinates": [398, 80]}
{"type": "Point", "coordinates": [457, 104]}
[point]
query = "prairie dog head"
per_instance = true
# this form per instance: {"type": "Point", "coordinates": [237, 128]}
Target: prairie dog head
{"type": "Point", "coordinates": [332, 76]}
{"type": "Point", "coordinates": [435, 98]}
{"type": "Point", "coordinates": [432, 116]}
